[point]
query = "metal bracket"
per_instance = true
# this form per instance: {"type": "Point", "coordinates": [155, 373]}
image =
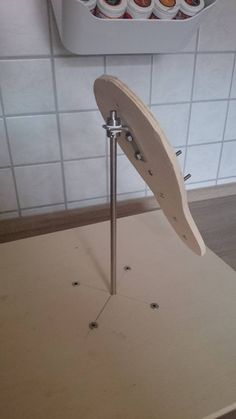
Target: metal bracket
{"type": "Point", "coordinates": [115, 127]}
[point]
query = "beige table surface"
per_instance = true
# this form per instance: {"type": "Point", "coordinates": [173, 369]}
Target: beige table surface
{"type": "Point", "coordinates": [175, 362]}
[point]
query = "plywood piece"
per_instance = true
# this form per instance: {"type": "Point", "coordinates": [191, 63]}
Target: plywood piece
{"type": "Point", "coordinates": [55, 257]}
{"type": "Point", "coordinates": [177, 362]}
{"type": "Point", "coordinates": [160, 168]}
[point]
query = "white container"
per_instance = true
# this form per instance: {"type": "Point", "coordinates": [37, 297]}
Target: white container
{"type": "Point", "coordinates": [161, 11]}
{"type": "Point", "coordinates": [134, 11]}
{"type": "Point", "coordinates": [187, 10]}
{"type": "Point", "coordinates": [108, 11]}
{"type": "Point", "coordinates": [91, 4]}
{"type": "Point", "coordinates": [84, 34]}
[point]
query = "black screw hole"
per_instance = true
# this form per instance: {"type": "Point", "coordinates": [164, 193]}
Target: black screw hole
{"type": "Point", "coordinates": [154, 306]}
{"type": "Point", "coordinates": [93, 325]}
{"type": "Point", "coordinates": [75, 283]}
{"type": "Point", "coordinates": [162, 195]}
{"type": "Point", "coordinates": [184, 237]}
{"type": "Point", "coordinates": [150, 172]}
{"type": "Point", "coordinates": [127, 268]}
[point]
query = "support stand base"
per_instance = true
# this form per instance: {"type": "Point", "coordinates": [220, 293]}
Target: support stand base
{"type": "Point", "coordinates": [173, 362]}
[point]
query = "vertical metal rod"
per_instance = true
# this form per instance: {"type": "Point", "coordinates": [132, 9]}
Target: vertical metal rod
{"type": "Point", "coordinates": [113, 195]}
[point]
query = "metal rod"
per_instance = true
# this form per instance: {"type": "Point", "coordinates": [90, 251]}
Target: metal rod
{"type": "Point", "coordinates": [113, 195]}
{"type": "Point", "coordinates": [113, 128]}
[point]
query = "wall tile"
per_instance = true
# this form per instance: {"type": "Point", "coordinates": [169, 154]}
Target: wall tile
{"type": "Point", "coordinates": [202, 162]}
{"type": "Point", "coordinates": [8, 215]}
{"type": "Point", "coordinates": [200, 185]}
{"type": "Point", "coordinates": [128, 179]}
{"type": "Point", "coordinates": [27, 86]}
{"type": "Point", "coordinates": [75, 77]}
{"type": "Point", "coordinates": [134, 70]}
{"type": "Point", "coordinates": [228, 160]}
{"type": "Point", "coordinates": [42, 210]}
{"type": "Point", "coordinates": [39, 184]}
{"type": "Point", "coordinates": [173, 120]}
{"type": "Point", "coordinates": [87, 203]}
{"type": "Point", "coordinates": [230, 133]}
{"type": "Point", "coordinates": [131, 195]}
{"type": "Point", "coordinates": [4, 155]}
{"type": "Point", "coordinates": [218, 31]}
{"type": "Point", "coordinates": [207, 122]}
{"type": "Point", "coordinates": [7, 191]}
{"type": "Point", "coordinates": [225, 181]}
{"type": "Point", "coordinates": [213, 76]}
{"type": "Point", "coordinates": [23, 28]}
{"type": "Point", "coordinates": [33, 139]}
{"type": "Point", "coordinates": [85, 179]}
{"type": "Point", "coordinates": [172, 78]}
{"type": "Point", "coordinates": [82, 135]}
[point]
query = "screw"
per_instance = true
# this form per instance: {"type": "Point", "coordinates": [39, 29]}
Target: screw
{"type": "Point", "coordinates": [154, 306]}
{"type": "Point", "coordinates": [138, 155]}
{"type": "Point", "coordinates": [129, 137]}
{"type": "Point", "coordinates": [93, 325]}
{"type": "Point", "coordinates": [178, 152]}
{"type": "Point", "coordinates": [188, 176]}
{"type": "Point", "coordinates": [127, 268]}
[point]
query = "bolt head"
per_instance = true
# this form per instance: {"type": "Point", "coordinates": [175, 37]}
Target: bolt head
{"type": "Point", "coordinates": [154, 306]}
{"type": "Point", "coordinates": [93, 325]}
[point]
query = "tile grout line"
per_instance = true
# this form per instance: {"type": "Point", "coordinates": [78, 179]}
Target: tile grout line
{"type": "Point", "coordinates": [20, 115]}
{"type": "Point", "coordinates": [201, 181]}
{"type": "Point", "coordinates": [226, 120]}
{"type": "Point", "coordinates": [52, 59]}
{"type": "Point", "coordinates": [186, 102]}
{"type": "Point", "coordinates": [77, 159]}
{"type": "Point", "coordinates": [71, 55]}
{"type": "Point", "coordinates": [18, 209]}
{"type": "Point", "coordinates": [191, 102]}
{"type": "Point", "coordinates": [202, 144]}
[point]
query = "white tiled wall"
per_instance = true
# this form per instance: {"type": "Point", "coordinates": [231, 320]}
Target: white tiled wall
{"type": "Point", "coordinates": [53, 150]}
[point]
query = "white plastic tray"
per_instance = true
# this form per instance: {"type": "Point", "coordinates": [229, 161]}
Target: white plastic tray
{"type": "Point", "coordinates": [84, 34]}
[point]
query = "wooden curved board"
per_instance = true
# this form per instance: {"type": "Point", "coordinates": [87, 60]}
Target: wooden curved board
{"type": "Point", "coordinates": [160, 168]}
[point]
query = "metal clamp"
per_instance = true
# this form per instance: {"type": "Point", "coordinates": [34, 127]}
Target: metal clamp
{"type": "Point", "coordinates": [115, 127]}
